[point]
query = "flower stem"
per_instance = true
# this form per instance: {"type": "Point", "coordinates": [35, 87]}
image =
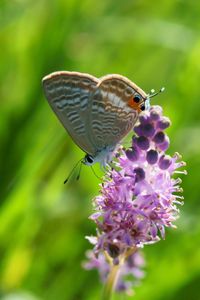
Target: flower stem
{"type": "Point", "coordinates": [111, 282]}
{"type": "Point", "coordinates": [114, 274]}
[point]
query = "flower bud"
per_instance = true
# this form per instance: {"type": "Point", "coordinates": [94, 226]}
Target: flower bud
{"type": "Point", "coordinates": [152, 157]}
{"type": "Point", "coordinates": [159, 137]}
{"type": "Point", "coordinates": [142, 142]}
{"type": "Point", "coordinates": [165, 145]}
{"type": "Point", "coordinates": [132, 154]}
{"type": "Point", "coordinates": [163, 123]}
{"type": "Point", "coordinates": [155, 113]}
{"type": "Point", "coordinates": [148, 130]}
{"type": "Point", "coordinates": [164, 162]}
{"type": "Point", "coordinates": [138, 130]}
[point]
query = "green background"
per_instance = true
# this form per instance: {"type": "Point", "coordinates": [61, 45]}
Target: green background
{"type": "Point", "coordinates": [42, 221]}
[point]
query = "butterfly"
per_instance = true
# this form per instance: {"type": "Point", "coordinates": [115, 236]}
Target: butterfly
{"type": "Point", "coordinates": [97, 113]}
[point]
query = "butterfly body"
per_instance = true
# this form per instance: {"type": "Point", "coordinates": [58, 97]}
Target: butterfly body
{"type": "Point", "coordinates": [97, 113]}
{"type": "Point", "coordinates": [103, 156]}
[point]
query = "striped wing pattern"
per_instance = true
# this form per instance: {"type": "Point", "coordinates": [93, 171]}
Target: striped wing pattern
{"type": "Point", "coordinates": [112, 118]}
{"type": "Point", "coordinates": [69, 94]}
{"type": "Point", "coordinates": [95, 112]}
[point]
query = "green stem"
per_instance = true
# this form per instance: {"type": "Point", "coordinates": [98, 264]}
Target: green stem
{"type": "Point", "coordinates": [111, 282]}
{"type": "Point", "coordinates": [114, 273]}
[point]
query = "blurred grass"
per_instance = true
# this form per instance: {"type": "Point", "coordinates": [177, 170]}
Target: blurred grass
{"type": "Point", "coordinates": [43, 222]}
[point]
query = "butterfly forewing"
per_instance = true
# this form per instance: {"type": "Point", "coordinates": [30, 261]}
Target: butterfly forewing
{"type": "Point", "coordinates": [70, 94]}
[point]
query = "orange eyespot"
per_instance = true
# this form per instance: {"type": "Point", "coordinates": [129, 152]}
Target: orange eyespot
{"type": "Point", "coordinates": [134, 102]}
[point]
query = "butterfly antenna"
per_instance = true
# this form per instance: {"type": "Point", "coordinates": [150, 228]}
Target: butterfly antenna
{"type": "Point", "coordinates": [79, 172]}
{"type": "Point", "coordinates": [72, 171]}
{"type": "Point", "coordinates": [95, 173]}
{"type": "Point", "coordinates": [153, 93]}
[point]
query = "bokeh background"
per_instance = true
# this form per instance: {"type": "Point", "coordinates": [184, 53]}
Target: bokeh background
{"type": "Point", "coordinates": [42, 221]}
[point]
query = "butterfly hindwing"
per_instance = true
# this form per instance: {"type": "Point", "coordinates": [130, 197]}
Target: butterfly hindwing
{"type": "Point", "coordinates": [111, 113]}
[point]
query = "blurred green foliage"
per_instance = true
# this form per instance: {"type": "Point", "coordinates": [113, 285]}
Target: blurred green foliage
{"type": "Point", "coordinates": [42, 221]}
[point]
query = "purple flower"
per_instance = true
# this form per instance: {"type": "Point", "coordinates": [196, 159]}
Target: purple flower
{"type": "Point", "coordinates": [138, 197]}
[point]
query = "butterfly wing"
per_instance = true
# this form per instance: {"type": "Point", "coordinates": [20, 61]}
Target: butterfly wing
{"type": "Point", "coordinates": [69, 95]}
{"type": "Point", "coordinates": [112, 115]}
